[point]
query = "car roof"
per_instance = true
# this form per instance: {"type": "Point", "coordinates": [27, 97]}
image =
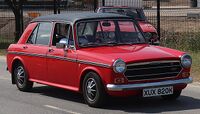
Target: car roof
{"type": "Point", "coordinates": [126, 7]}
{"type": "Point", "coordinates": [73, 17]}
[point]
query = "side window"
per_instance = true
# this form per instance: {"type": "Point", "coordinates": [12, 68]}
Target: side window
{"type": "Point", "coordinates": [44, 33]}
{"type": "Point", "coordinates": [33, 36]}
{"type": "Point", "coordinates": [62, 34]}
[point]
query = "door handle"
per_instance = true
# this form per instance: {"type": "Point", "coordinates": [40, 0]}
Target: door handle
{"type": "Point", "coordinates": [25, 47]}
{"type": "Point", "coordinates": [51, 50]}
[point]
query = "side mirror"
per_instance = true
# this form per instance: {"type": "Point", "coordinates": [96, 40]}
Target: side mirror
{"type": "Point", "coordinates": [152, 39]}
{"type": "Point", "coordinates": [148, 36]}
{"type": "Point", "coordinates": [63, 44]}
{"type": "Point", "coordinates": [60, 45]}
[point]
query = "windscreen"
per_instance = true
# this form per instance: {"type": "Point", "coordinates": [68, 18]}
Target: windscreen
{"type": "Point", "coordinates": [108, 32]}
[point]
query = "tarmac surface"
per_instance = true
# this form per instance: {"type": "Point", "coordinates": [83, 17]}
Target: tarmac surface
{"type": "Point", "coordinates": [49, 100]}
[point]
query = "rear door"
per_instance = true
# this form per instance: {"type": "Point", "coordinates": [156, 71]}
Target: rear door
{"type": "Point", "coordinates": [36, 49]}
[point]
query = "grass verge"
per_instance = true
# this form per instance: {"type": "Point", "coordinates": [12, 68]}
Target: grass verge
{"type": "Point", "coordinates": [2, 52]}
{"type": "Point", "coordinates": [195, 66]}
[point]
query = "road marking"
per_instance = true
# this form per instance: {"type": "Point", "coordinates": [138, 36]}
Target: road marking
{"type": "Point", "coordinates": [60, 109]}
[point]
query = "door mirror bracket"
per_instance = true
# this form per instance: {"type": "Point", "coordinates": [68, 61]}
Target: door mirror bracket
{"type": "Point", "coordinates": [66, 48]}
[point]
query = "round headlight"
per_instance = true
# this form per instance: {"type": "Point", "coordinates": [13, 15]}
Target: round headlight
{"type": "Point", "coordinates": [119, 66]}
{"type": "Point", "coordinates": [186, 61]}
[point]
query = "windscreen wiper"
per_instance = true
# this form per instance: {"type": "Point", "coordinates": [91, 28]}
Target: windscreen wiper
{"type": "Point", "coordinates": [89, 45]}
{"type": "Point", "coordinates": [111, 43]}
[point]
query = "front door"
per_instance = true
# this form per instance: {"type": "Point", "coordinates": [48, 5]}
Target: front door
{"type": "Point", "coordinates": [61, 63]}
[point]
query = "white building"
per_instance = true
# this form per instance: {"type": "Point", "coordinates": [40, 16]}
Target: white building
{"type": "Point", "coordinates": [130, 3]}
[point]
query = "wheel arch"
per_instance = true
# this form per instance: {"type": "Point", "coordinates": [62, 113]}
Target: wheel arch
{"type": "Point", "coordinates": [15, 61]}
{"type": "Point", "coordinates": [84, 72]}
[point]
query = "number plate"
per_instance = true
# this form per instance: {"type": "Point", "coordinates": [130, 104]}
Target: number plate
{"type": "Point", "coordinates": [150, 92]}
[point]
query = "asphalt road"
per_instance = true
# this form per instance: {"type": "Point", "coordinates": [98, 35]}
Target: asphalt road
{"type": "Point", "coordinates": [50, 100]}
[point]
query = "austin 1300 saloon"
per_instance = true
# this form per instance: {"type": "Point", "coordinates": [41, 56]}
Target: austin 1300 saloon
{"type": "Point", "coordinates": [98, 55]}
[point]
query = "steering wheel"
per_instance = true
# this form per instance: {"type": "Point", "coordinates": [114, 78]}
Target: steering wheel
{"type": "Point", "coordinates": [83, 40]}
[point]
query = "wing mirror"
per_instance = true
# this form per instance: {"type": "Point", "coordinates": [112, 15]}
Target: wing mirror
{"type": "Point", "coordinates": [151, 38]}
{"type": "Point", "coordinates": [60, 45]}
{"type": "Point", "coordinates": [148, 36]}
{"type": "Point", "coordinates": [63, 44]}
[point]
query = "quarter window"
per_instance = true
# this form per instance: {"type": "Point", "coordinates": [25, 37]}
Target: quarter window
{"type": "Point", "coordinates": [33, 36]}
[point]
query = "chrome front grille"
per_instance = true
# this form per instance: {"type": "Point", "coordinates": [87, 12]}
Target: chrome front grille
{"type": "Point", "coordinates": [153, 70]}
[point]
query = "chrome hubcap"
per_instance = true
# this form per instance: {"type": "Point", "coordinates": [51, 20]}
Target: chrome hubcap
{"type": "Point", "coordinates": [91, 89]}
{"type": "Point", "coordinates": [20, 75]}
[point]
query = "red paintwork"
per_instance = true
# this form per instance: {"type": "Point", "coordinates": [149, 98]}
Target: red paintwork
{"type": "Point", "coordinates": [130, 54]}
{"type": "Point", "coordinates": [144, 25]}
{"type": "Point", "coordinates": [147, 27]}
{"type": "Point", "coordinates": [27, 33]}
{"type": "Point", "coordinates": [68, 75]}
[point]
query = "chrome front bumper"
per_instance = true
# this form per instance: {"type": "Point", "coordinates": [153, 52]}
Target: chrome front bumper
{"type": "Point", "coordinates": [113, 87]}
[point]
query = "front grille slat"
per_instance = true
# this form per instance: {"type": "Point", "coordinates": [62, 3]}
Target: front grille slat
{"type": "Point", "coordinates": [153, 67]}
{"type": "Point", "coordinates": [153, 70]}
{"type": "Point", "coordinates": [168, 73]}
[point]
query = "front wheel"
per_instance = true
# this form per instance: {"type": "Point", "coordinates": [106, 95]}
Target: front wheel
{"type": "Point", "coordinates": [93, 90]}
{"type": "Point", "coordinates": [173, 96]}
{"type": "Point", "coordinates": [21, 78]}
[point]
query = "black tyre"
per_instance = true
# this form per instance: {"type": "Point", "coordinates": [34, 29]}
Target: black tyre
{"type": "Point", "coordinates": [21, 78]}
{"type": "Point", "coordinates": [173, 96]}
{"type": "Point", "coordinates": [93, 90]}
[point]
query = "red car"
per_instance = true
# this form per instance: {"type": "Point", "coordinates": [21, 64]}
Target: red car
{"type": "Point", "coordinates": [135, 13]}
{"type": "Point", "coordinates": [94, 54]}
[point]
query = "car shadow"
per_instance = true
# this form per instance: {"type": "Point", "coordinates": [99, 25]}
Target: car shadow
{"type": "Point", "coordinates": [153, 105]}
{"type": "Point", "coordinates": [58, 93]}
{"type": "Point", "coordinates": [129, 105]}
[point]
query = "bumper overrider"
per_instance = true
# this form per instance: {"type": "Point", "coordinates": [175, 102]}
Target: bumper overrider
{"type": "Point", "coordinates": [113, 87]}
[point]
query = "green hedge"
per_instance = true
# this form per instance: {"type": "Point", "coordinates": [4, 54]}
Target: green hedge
{"type": "Point", "coordinates": [182, 41]}
{"type": "Point", "coordinates": [4, 45]}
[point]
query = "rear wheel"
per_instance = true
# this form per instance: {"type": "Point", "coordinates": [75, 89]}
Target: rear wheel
{"type": "Point", "coordinates": [173, 96]}
{"type": "Point", "coordinates": [93, 90]}
{"type": "Point", "coordinates": [21, 78]}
